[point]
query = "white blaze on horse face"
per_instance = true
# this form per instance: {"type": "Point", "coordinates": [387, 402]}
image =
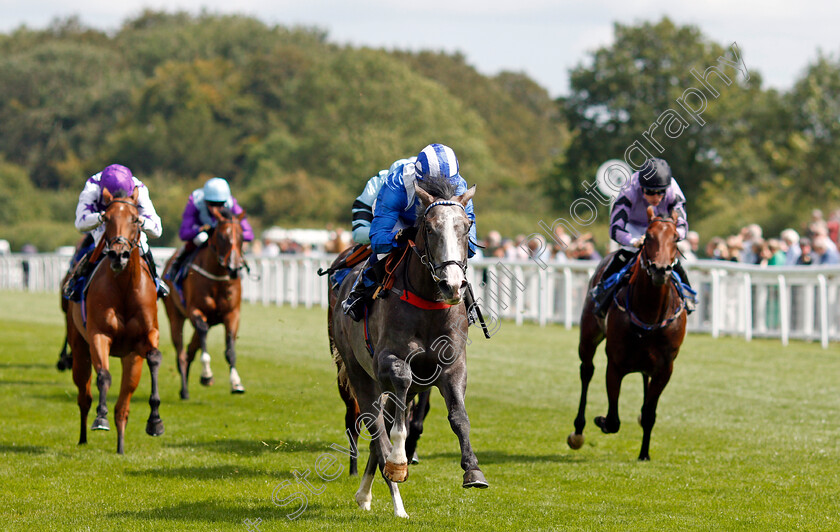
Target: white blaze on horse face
{"type": "Point", "coordinates": [450, 249]}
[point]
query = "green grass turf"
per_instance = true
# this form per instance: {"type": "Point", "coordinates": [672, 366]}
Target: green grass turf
{"type": "Point", "coordinates": [746, 438]}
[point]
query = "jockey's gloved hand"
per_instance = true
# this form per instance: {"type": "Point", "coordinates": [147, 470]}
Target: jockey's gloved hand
{"type": "Point", "coordinates": [101, 217]}
{"type": "Point", "coordinates": [405, 234]}
{"type": "Point", "coordinates": [200, 238]}
{"type": "Point", "coordinates": [637, 242]}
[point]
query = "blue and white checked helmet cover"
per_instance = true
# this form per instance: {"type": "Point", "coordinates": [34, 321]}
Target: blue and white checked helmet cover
{"type": "Point", "coordinates": [437, 160]}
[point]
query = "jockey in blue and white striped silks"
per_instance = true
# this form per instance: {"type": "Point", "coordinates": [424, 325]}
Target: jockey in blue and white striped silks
{"type": "Point", "coordinates": [364, 205]}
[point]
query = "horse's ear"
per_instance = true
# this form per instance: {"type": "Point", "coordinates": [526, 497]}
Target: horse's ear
{"type": "Point", "coordinates": [466, 196]}
{"type": "Point", "coordinates": [135, 195]}
{"type": "Point", "coordinates": [425, 198]}
{"type": "Point", "coordinates": [107, 197]}
{"type": "Point", "coordinates": [239, 217]}
{"type": "Point", "coordinates": [650, 213]}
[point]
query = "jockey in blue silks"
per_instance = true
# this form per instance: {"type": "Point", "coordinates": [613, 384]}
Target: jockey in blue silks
{"type": "Point", "coordinates": [396, 212]}
{"type": "Point", "coordinates": [364, 204]}
{"type": "Point", "coordinates": [653, 185]}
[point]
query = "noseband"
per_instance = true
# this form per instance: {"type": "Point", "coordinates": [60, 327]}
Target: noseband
{"type": "Point", "coordinates": [119, 239]}
{"type": "Point", "coordinates": [427, 261]}
{"type": "Point", "coordinates": [647, 264]}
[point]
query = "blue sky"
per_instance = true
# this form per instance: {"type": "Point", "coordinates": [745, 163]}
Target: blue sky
{"type": "Point", "coordinates": [543, 38]}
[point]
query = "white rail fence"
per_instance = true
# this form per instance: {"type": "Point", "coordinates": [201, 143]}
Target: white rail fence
{"type": "Point", "coordinates": [734, 299]}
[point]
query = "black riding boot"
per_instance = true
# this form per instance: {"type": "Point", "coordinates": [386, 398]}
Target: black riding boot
{"type": "Point", "coordinates": [354, 305]}
{"type": "Point", "coordinates": [81, 269]}
{"type": "Point", "coordinates": [603, 295]}
{"type": "Point", "coordinates": [690, 303]}
{"type": "Point", "coordinates": [162, 290]}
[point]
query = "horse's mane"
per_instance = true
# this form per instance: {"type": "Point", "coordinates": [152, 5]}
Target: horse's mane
{"type": "Point", "coordinates": [438, 187]}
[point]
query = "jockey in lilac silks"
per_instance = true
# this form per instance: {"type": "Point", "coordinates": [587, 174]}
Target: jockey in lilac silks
{"type": "Point", "coordinates": [196, 222]}
{"type": "Point", "coordinates": [396, 211]}
{"type": "Point", "coordinates": [653, 185]}
{"type": "Point", "coordinates": [121, 183]}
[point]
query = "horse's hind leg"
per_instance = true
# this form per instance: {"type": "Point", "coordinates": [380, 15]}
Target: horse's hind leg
{"type": "Point", "coordinates": [351, 415]}
{"type": "Point", "coordinates": [154, 425]}
{"type": "Point", "coordinates": [365, 494]}
{"type": "Point", "coordinates": [654, 390]}
{"type": "Point", "coordinates": [231, 328]}
{"type": "Point", "coordinates": [419, 411]}
{"type": "Point", "coordinates": [65, 359]}
{"type": "Point", "coordinates": [81, 377]}
{"type": "Point", "coordinates": [132, 366]}
{"type": "Point", "coordinates": [453, 390]}
{"type": "Point", "coordinates": [176, 331]}
{"type": "Point", "coordinates": [590, 337]}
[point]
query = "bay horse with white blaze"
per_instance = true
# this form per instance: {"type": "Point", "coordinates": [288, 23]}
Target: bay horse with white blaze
{"type": "Point", "coordinates": [117, 318]}
{"type": "Point", "coordinates": [644, 328]}
{"type": "Point", "coordinates": [412, 348]}
{"type": "Point", "coordinates": [212, 294]}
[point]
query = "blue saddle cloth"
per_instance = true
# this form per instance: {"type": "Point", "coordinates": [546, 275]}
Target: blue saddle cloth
{"type": "Point", "coordinates": [338, 277]}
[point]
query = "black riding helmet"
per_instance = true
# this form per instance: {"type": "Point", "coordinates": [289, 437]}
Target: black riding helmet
{"type": "Point", "coordinates": [655, 174]}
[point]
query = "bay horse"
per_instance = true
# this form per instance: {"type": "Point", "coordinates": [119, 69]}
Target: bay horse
{"type": "Point", "coordinates": [212, 294]}
{"type": "Point", "coordinates": [644, 328]}
{"type": "Point", "coordinates": [117, 318]}
{"type": "Point", "coordinates": [411, 340]}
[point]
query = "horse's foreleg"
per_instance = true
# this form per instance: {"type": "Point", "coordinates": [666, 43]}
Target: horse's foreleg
{"type": "Point", "coordinates": [100, 349]}
{"type": "Point", "coordinates": [653, 391]}
{"type": "Point", "coordinates": [395, 374]}
{"type": "Point", "coordinates": [590, 337]}
{"type": "Point", "coordinates": [611, 423]}
{"type": "Point", "coordinates": [365, 493]}
{"type": "Point", "coordinates": [415, 427]}
{"type": "Point", "coordinates": [154, 425]}
{"type": "Point", "coordinates": [199, 323]}
{"type": "Point", "coordinates": [231, 328]}
{"type": "Point", "coordinates": [453, 388]}
{"type": "Point", "coordinates": [132, 366]}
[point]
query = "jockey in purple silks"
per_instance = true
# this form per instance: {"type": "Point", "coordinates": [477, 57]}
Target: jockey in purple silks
{"type": "Point", "coordinates": [653, 185]}
{"type": "Point", "coordinates": [197, 221]}
{"type": "Point", "coordinates": [121, 183]}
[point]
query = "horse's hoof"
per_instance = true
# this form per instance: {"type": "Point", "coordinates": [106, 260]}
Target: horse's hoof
{"type": "Point", "coordinates": [185, 395]}
{"type": "Point", "coordinates": [64, 364]}
{"type": "Point", "coordinates": [237, 388]}
{"type": "Point", "coordinates": [415, 459]}
{"type": "Point", "coordinates": [575, 441]}
{"type": "Point", "coordinates": [645, 458]}
{"type": "Point", "coordinates": [363, 500]}
{"type": "Point", "coordinates": [395, 472]}
{"type": "Point", "coordinates": [100, 423]}
{"type": "Point", "coordinates": [207, 381]}
{"type": "Point", "coordinates": [154, 428]}
{"type": "Point", "coordinates": [474, 478]}
{"type": "Point", "coordinates": [601, 423]}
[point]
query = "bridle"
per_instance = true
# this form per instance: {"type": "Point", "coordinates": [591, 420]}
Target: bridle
{"type": "Point", "coordinates": [119, 239]}
{"type": "Point", "coordinates": [423, 255]}
{"type": "Point", "coordinates": [223, 260]}
{"type": "Point", "coordinates": [647, 263]}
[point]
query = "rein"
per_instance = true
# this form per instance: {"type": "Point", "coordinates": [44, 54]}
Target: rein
{"type": "Point", "coordinates": [119, 239]}
{"type": "Point", "coordinates": [646, 264]}
{"type": "Point", "coordinates": [424, 256]}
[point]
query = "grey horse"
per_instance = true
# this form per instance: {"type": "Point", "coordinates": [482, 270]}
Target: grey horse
{"type": "Point", "coordinates": [414, 348]}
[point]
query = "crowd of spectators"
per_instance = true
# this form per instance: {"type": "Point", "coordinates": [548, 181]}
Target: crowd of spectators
{"type": "Point", "coordinates": [817, 244]}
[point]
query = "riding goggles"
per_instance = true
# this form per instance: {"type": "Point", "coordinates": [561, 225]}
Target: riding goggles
{"type": "Point", "coordinates": [652, 192]}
